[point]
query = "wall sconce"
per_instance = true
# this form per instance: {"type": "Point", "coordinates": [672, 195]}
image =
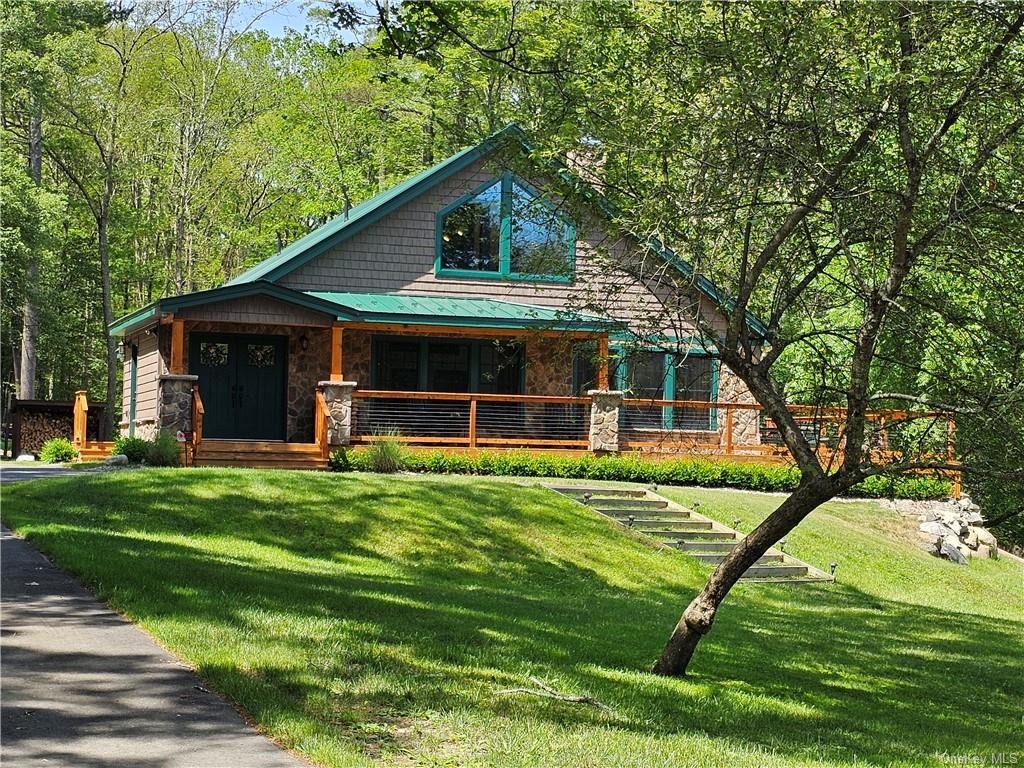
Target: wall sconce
{"type": "Point", "coordinates": [303, 342]}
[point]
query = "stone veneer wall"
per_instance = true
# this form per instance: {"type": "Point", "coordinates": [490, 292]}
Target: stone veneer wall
{"type": "Point", "coordinates": [305, 367]}
{"type": "Point", "coordinates": [548, 366]}
{"type": "Point", "coordinates": [746, 425]}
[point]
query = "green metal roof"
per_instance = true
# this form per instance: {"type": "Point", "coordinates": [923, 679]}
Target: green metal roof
{"type": "Point", "coordinates": [467, 312]}
{"type": "Point", "coordinates": [382, 308]}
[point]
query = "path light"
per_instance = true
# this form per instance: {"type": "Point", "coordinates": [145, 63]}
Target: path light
{"type": "Point", "coordinates": [632, 519]}
{"type": "Point", "coordinates": [695, 504]}
{"type": "Point", "coordinates": [832, 567]}
{"type": "Point", "coordinates": [653, 487]}
{"type": "Point", "coordinates": [586, 498]}
{"type": "Point", "coordinates": [782, 545]}
{"type": "Point", "coordinates": [736, 523]}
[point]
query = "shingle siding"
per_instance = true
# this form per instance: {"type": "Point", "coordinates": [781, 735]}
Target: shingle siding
{"type": "Point", "coordinates": [397, 253]}
{"type": "Point", "coordinates": [151, 366]}
{"type": "Point", "coordinates": [263, 310]}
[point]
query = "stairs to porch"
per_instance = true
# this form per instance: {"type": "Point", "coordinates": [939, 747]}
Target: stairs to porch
{"type": "Point", "coordinates": [680, 528]}
{"type": "Point", "coordinates": [259, 454]}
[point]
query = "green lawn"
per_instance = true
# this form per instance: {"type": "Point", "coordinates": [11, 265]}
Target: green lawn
{"type": "Point", "coordinates": [363, 618]}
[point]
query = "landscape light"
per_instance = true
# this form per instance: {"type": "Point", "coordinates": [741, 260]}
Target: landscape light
{"type": "Point", "coordinates": [782, 544]}
{"type": "Point", "coordinates": [631, 519]}
{"type": "Point", "coordinates": [736, 523]}
{"type": "Point", "coordinates": [832, 567]}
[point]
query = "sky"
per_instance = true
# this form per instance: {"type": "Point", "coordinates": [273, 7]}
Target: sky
{"type": "Point", "coordinates": [278, 16]}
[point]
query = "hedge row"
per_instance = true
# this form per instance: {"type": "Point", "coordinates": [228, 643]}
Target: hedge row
{"type": "Point", "coordinates": [636, 469]}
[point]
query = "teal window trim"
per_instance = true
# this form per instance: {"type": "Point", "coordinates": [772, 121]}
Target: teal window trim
{"type": "Point", "coordinates": [504, 271]}
{"type": "Point", "coordinates": [133, 395]}
{"type": "Point", "coordinates": [669, 386]}
{"type": "Point", "coordinates": [423, 343]}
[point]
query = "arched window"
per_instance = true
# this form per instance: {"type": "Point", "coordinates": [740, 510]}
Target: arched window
{"type": "Point", "coordinates": [505, 229]}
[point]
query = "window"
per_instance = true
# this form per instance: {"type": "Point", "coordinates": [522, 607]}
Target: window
{"type": "Point", "coordinates": [447, 365]}
{"type": "Point", "coordinates": [656, 375]}
{"type": "Point", "coordinates": [505, 229]}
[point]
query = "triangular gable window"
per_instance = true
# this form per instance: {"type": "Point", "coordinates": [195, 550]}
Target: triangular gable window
{"type": "Point", "coordinates": [505, 229]}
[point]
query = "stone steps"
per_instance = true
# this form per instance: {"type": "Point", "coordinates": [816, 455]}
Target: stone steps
{"type": "Point", "coordinates": [675, 526]}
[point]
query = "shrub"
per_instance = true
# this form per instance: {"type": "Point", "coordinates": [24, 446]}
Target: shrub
{"type": "Point", "coordinates": [339, 461]}
{"type": "Point", "coordinates": [386, 453]}
{"type": "Point", "coordinates": [135, 448]}
{"type": "Point", "coordinates": [163, 451]}
{"type": "Point", "coordinates": [57, 450]}
{"type": "Point", "coordinates": [633, 468]}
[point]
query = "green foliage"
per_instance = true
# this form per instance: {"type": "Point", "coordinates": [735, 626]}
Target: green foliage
{"type": "Point", "coordinates": [135, 448]}
{"type": "Point", "coordinates": [386, 453]}
{"type": "Point", "coordinates": [339, 460]}
{"type": "Point", "coordinates": [58, 450]}
{"type": "Point", "coordinates": [163, 451]}
{"type": "Point", "coordinates": [632, 468]}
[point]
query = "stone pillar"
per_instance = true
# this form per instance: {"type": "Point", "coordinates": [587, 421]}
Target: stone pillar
{"type": "Point", "coordinates": [338, 395]}
{"type": "Point", "coordinates": [604, 420]}
{"type": "Point", "coordinates": [174, 407]}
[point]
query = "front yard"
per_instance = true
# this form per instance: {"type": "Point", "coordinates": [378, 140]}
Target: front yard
{"type": "Point", "coordinates": [361, 618]}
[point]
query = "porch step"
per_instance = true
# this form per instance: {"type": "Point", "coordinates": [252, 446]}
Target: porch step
{"type": "Point", "coordinates": [680, 528]}
{"type": "Point", "coordinates": [260, 454]}
{"type": "Point", "coordinates": [96, 451]}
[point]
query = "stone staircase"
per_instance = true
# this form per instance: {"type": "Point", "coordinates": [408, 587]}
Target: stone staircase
{"type": "Point", "coordinates": [675, 526]}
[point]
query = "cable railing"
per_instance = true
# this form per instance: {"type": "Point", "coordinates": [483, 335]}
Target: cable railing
{"type": "Point", "coordinates": [471, 419]}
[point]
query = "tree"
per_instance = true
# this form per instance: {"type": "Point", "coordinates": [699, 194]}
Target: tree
{"type": "Point", "coordinates": [30, 31]}
{"type": "Point", "coordinates": [848, 172]}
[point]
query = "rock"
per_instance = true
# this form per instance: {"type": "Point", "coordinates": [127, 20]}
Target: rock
{"type": "Point", "coordinates": [985, 537]}
{"type": "Point", "coordinates": [973, 518]}
{"type": "Point", "coordinates": [117, 460]}
{"type": "Point", "coordinates": [950, 552]}
{"type": "Point", "coordinates": [936, 528]}
{"type": "Point", "coordinates": [983, 551]}
{"type": "Point", "coordinates": [968, 505]}
{"type": "Point", "coordinates": [972, 538]}
{"type": "Point", "coordinates": [26, 457]}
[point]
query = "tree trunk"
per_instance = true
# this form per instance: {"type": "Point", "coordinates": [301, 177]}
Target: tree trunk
{"type": "Point", "coordinates": [30, 314]}
{"type": "Point", "coordinates": [700, 614]}
{"type": "Point", "coordinates": [107, 427]}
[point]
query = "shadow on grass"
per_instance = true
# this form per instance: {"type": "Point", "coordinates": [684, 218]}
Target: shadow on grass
{"type": "Point", "coordinates": [358, 600]}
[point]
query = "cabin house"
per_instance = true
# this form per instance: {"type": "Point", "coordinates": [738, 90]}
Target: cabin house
{"type": "Point", "coordinates": [466, 308]}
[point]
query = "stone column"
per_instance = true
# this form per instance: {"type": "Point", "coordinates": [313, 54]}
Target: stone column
{"type": "Point", "coordinates": [604, 420]}
{"type": "Point", "coordinates": [338, 395]}
{"type": "Point", "coordinates": [174, 407]}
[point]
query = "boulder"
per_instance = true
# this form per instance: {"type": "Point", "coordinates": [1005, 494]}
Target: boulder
{"type": "Point", "coordinates": [950, 552]}
{"type": "Point", "coordinates": [26, 457]}
{"type": "Point", "coordinates": [983, 551]}
{"type": "Point", "coordinates": [973, 518]}
{"type": "Point", "coordinates": [971, 539]}
{"type": "Point", "coordinates": [936, 528]}
{"type": "Point", "coordinates": [117, 460]}
{"type": "Point", "coordinates": [985, 537]}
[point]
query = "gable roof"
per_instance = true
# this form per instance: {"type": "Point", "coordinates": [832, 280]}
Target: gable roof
{"type": "Point", "coordinates": [369, 211]}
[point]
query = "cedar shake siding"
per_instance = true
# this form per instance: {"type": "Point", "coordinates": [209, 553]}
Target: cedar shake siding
{"type": "Point", "coordinates": [396, 255]}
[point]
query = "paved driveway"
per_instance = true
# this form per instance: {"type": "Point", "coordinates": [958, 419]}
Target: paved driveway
{"type": "Point", "coordinates": [13, 471]}
{"type": "Point", "coordinates": [83, 687]}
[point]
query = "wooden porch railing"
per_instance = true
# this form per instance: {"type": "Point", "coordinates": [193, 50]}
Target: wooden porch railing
{"type": "Point", "coordinates": [321, 427]}
{"type": "Point", "coordinates": [471, 420]}
{"type": "Point", "coordinates": [79, 423]}
{"type": "Point", "coordinates": [197, 419]}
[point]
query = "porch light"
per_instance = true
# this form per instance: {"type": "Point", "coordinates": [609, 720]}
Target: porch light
{"type": "Point", "coordinates": [303, 342]}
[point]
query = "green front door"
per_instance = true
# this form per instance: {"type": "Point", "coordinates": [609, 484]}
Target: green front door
{"type": "Point", "coordinates": [242, 380]}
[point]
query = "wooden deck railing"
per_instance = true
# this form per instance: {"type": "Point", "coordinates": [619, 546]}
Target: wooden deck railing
{"type": "Point", "coordinates": [320, 424]}
{"type": "Point", "coordinates": [80, 417]}
{"type": "Point", "coordinates": [198, 412]}
{"type": "Point", "coordinates": [471, 420]}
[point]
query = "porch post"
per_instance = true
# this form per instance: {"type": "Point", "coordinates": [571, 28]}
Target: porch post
{"type": "Point", "coordinates": [604, 420]}
{"type": "Point", "coordinates": [337, 339]}
{"type": "Point", "coordinates": [177, 365]}
{"type": "Point", "coordinates": [338, 395]}
{"type": "Point", "coordinates": [602, 362]}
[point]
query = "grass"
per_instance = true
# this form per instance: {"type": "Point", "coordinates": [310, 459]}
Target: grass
{"type": "Point", "coordinates": [366, 619]}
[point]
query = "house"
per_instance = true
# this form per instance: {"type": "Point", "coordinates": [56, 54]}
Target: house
{"type": "Point", "coordinates": [469, 306]}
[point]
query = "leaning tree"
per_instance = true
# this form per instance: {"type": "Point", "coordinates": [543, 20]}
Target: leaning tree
{"type": "Point", "coordinates": [850, 177]}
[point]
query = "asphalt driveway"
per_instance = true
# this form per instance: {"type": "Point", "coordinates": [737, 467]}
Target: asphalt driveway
{"type": "Point", "coordinates": [83, 687]}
